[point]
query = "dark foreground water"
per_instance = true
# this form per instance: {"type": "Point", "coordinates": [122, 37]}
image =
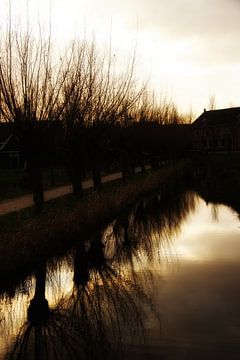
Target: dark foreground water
{"type": "Point", "coordinates": [159, 282]}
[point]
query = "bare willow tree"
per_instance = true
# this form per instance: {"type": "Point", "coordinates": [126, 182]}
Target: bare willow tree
{"type": "Point", "coordinates": [77, 92]}
{"type": "Point", "coordinates": [151, 118]}
{"type": "Point", "coordinates": [114, 94]}
{"type": "Point", "coordinates": [156, 129]}
{"type": "Point", "coordinates": [212, 102]}
{"type": "Point", "coordinates": [101, 98]}
{"type": "Point", "coordinates": [164, 111]}
{"type": "Point", "coordinates": [31, 79]}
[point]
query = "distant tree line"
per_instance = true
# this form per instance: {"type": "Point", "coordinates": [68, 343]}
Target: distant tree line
{"type": "Point", "coordinates": [79, 110]}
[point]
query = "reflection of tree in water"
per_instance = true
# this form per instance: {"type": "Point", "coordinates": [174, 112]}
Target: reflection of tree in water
{"type": "Point", "coordinates": [215, 212]}
{"type": "Point", "coordinates": [112, 293]}
{"type": "Point", "coordinates": [104, 309]}
{"type": "Point", "coordinates": [45, 334]}
{"type": "Point", "coordinates": [152, 223]}
{"type": "Point", "coordinates": [109, 303]}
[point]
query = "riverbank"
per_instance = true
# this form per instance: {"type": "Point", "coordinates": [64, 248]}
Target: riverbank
{"type": "Point", "coordinates": [26, 201]}
{"type": "Point", "coordinates": [27, 241]}
{"type": "Point", "coordinates": [217, 178]}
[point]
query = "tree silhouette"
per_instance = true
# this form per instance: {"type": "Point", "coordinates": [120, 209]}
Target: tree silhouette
{"type": "Point", "coordinates": [31, 80]}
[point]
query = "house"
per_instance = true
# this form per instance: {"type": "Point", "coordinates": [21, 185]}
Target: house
{"type": "Point", "coordinates": [39, 139]}
{"type": "Point", "coordinates": [217, 130]}
{"type": "Point", "coordinates": [9, 150]}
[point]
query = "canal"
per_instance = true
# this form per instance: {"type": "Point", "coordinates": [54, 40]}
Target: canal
{"type": "Point", "coordinates": [158, 282]}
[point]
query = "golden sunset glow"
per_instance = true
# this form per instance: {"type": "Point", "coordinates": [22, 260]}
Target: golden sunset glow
{"type": "Point", "coordinates": [187, 50]}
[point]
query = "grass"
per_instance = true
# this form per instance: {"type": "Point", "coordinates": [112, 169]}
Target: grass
{"type": "Point", "coordinates": [27, 240]}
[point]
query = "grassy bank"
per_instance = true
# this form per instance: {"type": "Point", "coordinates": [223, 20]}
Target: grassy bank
{"type": "Point", "coordinates": [27, 240]}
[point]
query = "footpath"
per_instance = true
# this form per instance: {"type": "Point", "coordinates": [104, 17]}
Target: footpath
{"type": "Point", "coordinates": [25, 201]}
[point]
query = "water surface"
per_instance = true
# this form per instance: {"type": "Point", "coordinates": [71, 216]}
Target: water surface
{"type": "Point", "coordinates": [159, 282]}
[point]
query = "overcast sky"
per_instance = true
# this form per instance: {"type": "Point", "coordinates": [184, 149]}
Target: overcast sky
{"type": "Point", "coordinates": [189, 48]}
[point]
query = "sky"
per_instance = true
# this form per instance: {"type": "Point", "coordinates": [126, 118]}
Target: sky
{"type": "Point", "coordinates": [187, 49]}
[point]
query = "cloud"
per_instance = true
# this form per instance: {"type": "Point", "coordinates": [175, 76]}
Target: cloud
{"type": "Point", "coordinates": [212, 24]}
{"type": "Point", "coordinates": [186, 17]}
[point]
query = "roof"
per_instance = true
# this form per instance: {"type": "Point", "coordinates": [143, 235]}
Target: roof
{"type": "Point", "coordinates": [8, 140]}
{"type": "Point", "coordinates": [4, 143]}
{"type": "Point", "coordinates": [222, 117]}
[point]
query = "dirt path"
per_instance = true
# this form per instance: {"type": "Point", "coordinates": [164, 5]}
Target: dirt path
{"type": "Point", "coordinates": [22, 202]}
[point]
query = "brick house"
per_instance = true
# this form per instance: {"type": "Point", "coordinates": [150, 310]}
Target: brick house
{"type": "Point", "coordinates": [217, 130]}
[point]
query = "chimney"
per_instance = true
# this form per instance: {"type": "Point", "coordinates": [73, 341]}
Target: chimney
{"type": "Point", "coordinates": [204, 110]}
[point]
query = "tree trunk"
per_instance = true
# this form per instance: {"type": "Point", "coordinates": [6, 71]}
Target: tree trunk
{"type": "Point", "coordinates": [81, 271]}
{"type": "Point", "coordinates": [154, 162]}
{"type": "Point", "coordinates": [38, 310]}
{"type": "Point", "coordinates": [126, 168]}
{"type": "Point", "coordinates": [38, 194]}
{"type": "Point", "coordinates": [97, 181]}
{"type": "Point", "coordinates": [77, 181]}
{"type": "Point", "coordinates": [142, 164]}
{"type": "Point", "coordinates": [52, 176]}
{"type": "Point", "coordinates": [96, 250]}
